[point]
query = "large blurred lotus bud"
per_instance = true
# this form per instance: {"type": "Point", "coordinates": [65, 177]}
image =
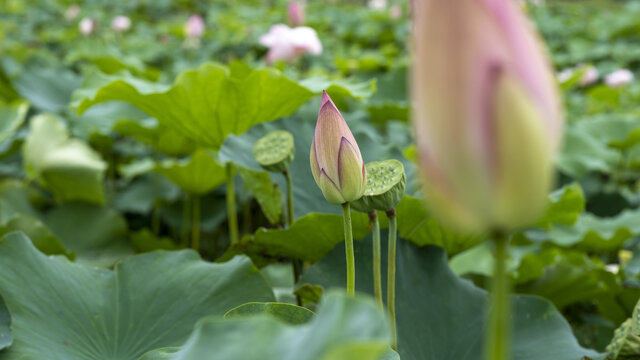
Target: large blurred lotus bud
{"type": "Point", "coordinates": [619, 78]}
{"type": "Point", "coordinates": [336, 162]}
{"type": "Point", "coordinates": [295, 13]}
{"type": "Point", "coordinates": [194, 27]}
{"type": "Point", "coordinates": [487, 113]}
{"type": "Point", "coordinates": [287, 44]}
{"type": "Point", "coordinates": [121, 23]}
{"type": "Point", "coordinates": [87, 26]}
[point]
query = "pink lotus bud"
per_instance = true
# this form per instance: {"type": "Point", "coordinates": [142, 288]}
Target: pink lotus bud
{"type": "Point", "coordinates": [336, 162]}
{"type": "Point", "coordinates": [487, 112]}
{"type": "Point", "coordinates": [121, 23]}
{"type": "Point", "coordinates": [288, 44]}
{"type": "Point", "coordinates": [619, 78]}
{"type": "Point", "coordinates": [87, 26]}
{"type": "Point", "coordinates": [72, 12]}
{"type": "Point", "coordinates": [194, 27]}
{"type": "Point", "coordinates": [295, 13]}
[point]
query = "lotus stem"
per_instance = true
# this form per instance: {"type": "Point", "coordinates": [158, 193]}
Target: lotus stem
{"type": "Point", "coordinates": [498, 334]}
{"type": "Point", "coordinates": [348, 239]}
{"type": "Point", "coordinates": [231, 205]}
{"type": "Point", "coordinates": [195, 230]}
{"type": "Point", "coordinates": [391, 274]}
{"type": "Point", "coordinates": [186, 216]}
{"type": "Point", "coordinates": [287, 175]}
{"type": "Point", "coordinates": [377, 274]}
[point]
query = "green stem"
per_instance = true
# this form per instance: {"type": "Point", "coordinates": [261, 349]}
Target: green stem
{"type": "Point", "coordinates": [289, 196]}
{"type": "Point", "coordinates": [195, 232]}
{"type": "Point", "coordinates": [295, 263]}
{"type": "Point", "coordinates": [377, 273]}
{"type": "Point", "coordinates": [391, 274]}
{"type": "Point", "coordinates": [231, 205]}
{"type": "Point", "coordinates": [186, 215]}
{"type": "Point", "coordinates": [348, 240]}
{"type": "Point", "coordinates": [498, 334]}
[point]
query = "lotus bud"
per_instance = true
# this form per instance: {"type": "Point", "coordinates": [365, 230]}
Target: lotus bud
{"type": "Point", "coordinates": [336, 162]}
{"type": "Point", "coordinates": [619, 78]}
{"type": "Point", "coordinates": [120, 23]}
{"type": "Point", "coordinates": [487, 113]}
{"type": "Point", "coordinates": [87, 26]}
{"type": "Point", "coordinates": [384, 188]}
{"type": "Point", "coordinates": [295, 13]}
{"type": "Point", "coordinates": [275, 151]}
{"type": "Point", "coordinates": [194, 27]}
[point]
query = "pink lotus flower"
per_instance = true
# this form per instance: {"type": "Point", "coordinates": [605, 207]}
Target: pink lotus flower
{"type": "Point", "coordinates": [619, 78]}
{"type": "Point", "coordinates": [121, 23]}
{"type": "Point", "coordinates": [589, 74]}
{"type": "Point", "coordinates": [487, 112]}
{"type": "Point", "coordinates": [72, 12]}
{"type": "Point", "coordinates": [194, 27]}
{"type": "Point", "coordinates": [295, 13]}
{"type": "Point", "coordinates": [87, 26]}
{"type": "Point", "coordinates": [288, 44]}
{"type": "Point", "coordinates": [336, 162]}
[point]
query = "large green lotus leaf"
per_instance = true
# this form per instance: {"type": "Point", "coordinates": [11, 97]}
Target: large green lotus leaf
{"type": "Point", "coordinates": [140, 195]}
{"type": "Point", "coordinates": [46, 87]}
{"type": "Point", "coordinates": [97, 234]}
{"type": "Point", "coordinates": [206, 104]}
{"type": "Point", "coordinates": [310, 238]}
{"type": "Point", "coordinates": [618, 131]}
{"type": "Point", "coordinates": [565, 277]}
{"type": "Point", "coordinates": [565, 206]}
{"type": "Point", "coordinates": [415, 224]}
{"type": "Point", "coordinates": [198, 175]}
{"type": "Point", "coordinates": [307, 196]}
{"type": "Point", "coordinates": [267, 194]}
{"type": "Point", "coordinates": [345, 328]}
{"type": "Point", "coordinates": [11, 117]}
{"type": "Point", "coordinates": [117, 315]}
{"type": "Point", "coordinates": [15, 200]}
{"type": "Point", "coordinates": [592, 233]}
{"type": "Point", "coordinates": [68, 167]}
{"type": "Point", "coordinates": [584, 153]}
{"type": "Point", "coordinates": [5, 326]}
{"type": "Point", "coordinates": [441, 316]}
{"type": "Point", "coordinates": [291, 314]}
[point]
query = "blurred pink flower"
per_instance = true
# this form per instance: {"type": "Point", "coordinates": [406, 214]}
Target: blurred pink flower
{"type": "Point", "coordinates": [121, 23]}
{"type": "Point", "coordinates": [295, 13]}
{"type": "Point", "coordinates": [395, 12]}
{"type": "Point", "coordinates": [194, 27]}
{"type": "Point", "coordinates": [72, 12]}
{"type": "Point", "coordinates": [619, 78]}
{"type": "Point", "coordinates": [288, 44]}
{"type": "Point", "coordinates": [87, 26]}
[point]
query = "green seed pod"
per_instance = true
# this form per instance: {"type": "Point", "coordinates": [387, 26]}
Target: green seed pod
{"type": "Point", "coordinates": [275, 151]}
{"type": "Point", "coordinates": [626, 339]}
{"type": "Point", "coordinates": [384, 188]}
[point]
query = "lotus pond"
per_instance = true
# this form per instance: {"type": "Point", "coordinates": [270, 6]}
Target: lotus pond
{"type": "Point", "coordinates": [319, 180]}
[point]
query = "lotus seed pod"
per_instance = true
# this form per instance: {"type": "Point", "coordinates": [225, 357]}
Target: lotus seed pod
{"type": "Point", "coordinates": [275, 151]}
{"type": "Point", "coordinates": [626, 339]}
{"type": "Point", "coordinates": [384, 188]}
